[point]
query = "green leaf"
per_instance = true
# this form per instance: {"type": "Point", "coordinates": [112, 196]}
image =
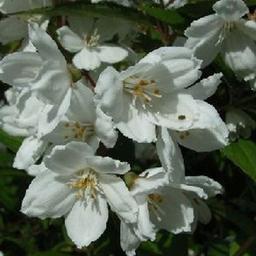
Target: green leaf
{"type": "Point", "coordinates": [92, 10]}
{"type": "Point", "coordinates": [13, 143]}
{"type": "Point", "coordinates": [170, 17]}
{"type": "Point", "coordinates": [243, 154]}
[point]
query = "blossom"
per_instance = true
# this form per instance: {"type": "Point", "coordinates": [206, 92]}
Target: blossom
{"type": "Point", "coordinates": [88, 43]}
{"type": "Point", "coordinates": [78, 185]}
{"type": "Point", "coordinates": [227, 33]}
{"type": "Point", "coordinates": [44, 73]}
{"type": "Point", "coordinates": [169, 4]}
{"type": "Point", "coordinates": [120, 2]}
{"type": "Point", "coordinates": [154, 92]}
{"type": "Point", "coordinates": [81, 122]}
{"type": "Point", "coordinates": [239, 123]}
{"type": "Point", "coordinates": [167, 198]}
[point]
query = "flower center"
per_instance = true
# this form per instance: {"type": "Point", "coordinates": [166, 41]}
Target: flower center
{"type": "Point", "coordinates": [92, 40]}
{"type": "Point", "coordinates": [86, 184]}
{"type": "Point", "coordinates": [79, 131]}
{"type": "Point", "coordinates": [143, 89]}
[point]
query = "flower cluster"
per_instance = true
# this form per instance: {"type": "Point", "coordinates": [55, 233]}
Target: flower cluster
{"type": "Point", "coordinates": [69, 106]}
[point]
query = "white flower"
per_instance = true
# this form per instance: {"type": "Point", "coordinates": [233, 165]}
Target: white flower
{"type": "Point", "coordinates": [88, 43]}
{"type": "Point", "coordinates": [169, 4]}
{"type": "Point", "coordinates": [148, 94]}
{"type": "Point", "coordinates": [21, 115]}
{"type": "Point", "coordinates": [227, 33]}
{"type": "Point", "coordinates": [78, 185]}
{"type": "Point", "coordinates": [45, 73]}
{"type": "Point", "coordinates": [21, 118]}
{"type": "Point", "coordinates": [120, 2]}
{"type": "Point", "coordinates": [239, 123]}
{"type": "Point", "coordinates": [209, 124]}
{"type": "Point", "coordinates": [166, 198]}
{"type": "Point", "coordinates": [81, 123]}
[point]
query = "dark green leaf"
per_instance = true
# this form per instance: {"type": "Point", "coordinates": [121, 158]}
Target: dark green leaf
{"type": "Point", "coordinates": [92, 10]}
{"type": "Point", "coordinates": [243, 154]}
{"type": "Point", "coordinates": [170, 17]}
{"type": "Point", "coordinates": [13, 143]}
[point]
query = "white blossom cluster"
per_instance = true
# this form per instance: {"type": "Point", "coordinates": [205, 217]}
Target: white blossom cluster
{"type": "Point", "coordinates": [64, 118]}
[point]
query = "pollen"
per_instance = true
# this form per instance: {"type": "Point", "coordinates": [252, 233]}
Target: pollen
{"type": "Point", "coordinates": [85, 183]}
{"type": "Point", "coordinates": [92, 40]}
{"type": "Point", "coordinates": [77, 130]}
{"type": "Point", "coordinates": [143, 89]}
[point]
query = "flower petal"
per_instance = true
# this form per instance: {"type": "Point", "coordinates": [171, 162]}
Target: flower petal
{"type": "Point", "coordinates": [29, 152]}
{"type": "Point", "coordinates": [149, 181]}
{"type": "Point", "coordinates": [239, 53]}
{"type": "Point", "coordinates": [69, 40]}
{"type": "Point", "coordinates": [206, 87]}
{"type": "Point", "coordinates": [87, 221]}
{"type": "Point", "coordinates": [111, 54]}
{"type": "Point", "coordinates": [230, 10]}
{"type": "Point", "coordinates": [45, 45]}
{"type": "Point", "coordinates": [87, 59]}
{"type": "Point", "coordinates": [69, 158]}
{"type": "Point", "coordinates": [170, 156]}
{"type": "Point", "coordinates": [136, 126]}
{"type": "Point", "coordinates": [47, 197]}
{"type": "Point", "coordinates": [210, 186]}
{"type": "Point", "coordinates": [173, 111]}
{"type": "Point", "coordinates": [176, 213]}
{"type": "Point", "coordinates": [119, 197]}
{"type": "Point", "coordinates": [104, 129]}
{"type": "Point", "coordinates": [129, 241]}
{"type": "Point", "coordinates": [107, 165]}
{"type": "Point", "coordinates": [20, 68]}
{"type": "Point", "coordinates": [209, 126]}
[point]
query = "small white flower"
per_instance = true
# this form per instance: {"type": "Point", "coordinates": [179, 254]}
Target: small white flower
{"type": "Point", "coordinates": [151, 93]}
{"type": "Point", "coordinates": [88, 43]}
{"type": "Point", "coordinates": [44, 73]}
{"type": "Point", "coordinates": [120, 2]}
{"type": "Point", "coordinates": [82, 122]}
{"type": "Point", "coordinates": [166, 198]}
{"type": "Point", "coordinates": [78, 185]}
{"type": "Point", "coordinates": [227, 33]}
{"type": "Point", "coordinates": [239, 123]}
{"type": "Point", "coordinates": [170, 4]}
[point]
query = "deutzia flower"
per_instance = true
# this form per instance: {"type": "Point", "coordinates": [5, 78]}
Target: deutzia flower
{"type": "Point", "coordinates": [45, 73]}
{"type": "Point", "coordinates": [227, 33]}
{"type": "Point", "coordinates": [153, 92]}
{"type": "Point", "coordinates": [81, 122]}
{"type": "Point", "coordinates": [88, 42]}
{"type": "Point", "coordinates": [120, 2]}
{"type": "Point", "coordinates": [21, 118]}
{"type": "Point", "coordinates": [209, 125]}
{"type": "Point", "coordinates": [78, 185]}
{"type": "Point", "coordinates": [169, 4]}
{"type": "Point", "coordinates": [239, 123]}
{"type": "Point", "coordinates": [166, 198]}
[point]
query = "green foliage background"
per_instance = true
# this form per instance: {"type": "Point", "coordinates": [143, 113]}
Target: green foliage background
{"type": "Point", "coordinates": [232, 230]}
